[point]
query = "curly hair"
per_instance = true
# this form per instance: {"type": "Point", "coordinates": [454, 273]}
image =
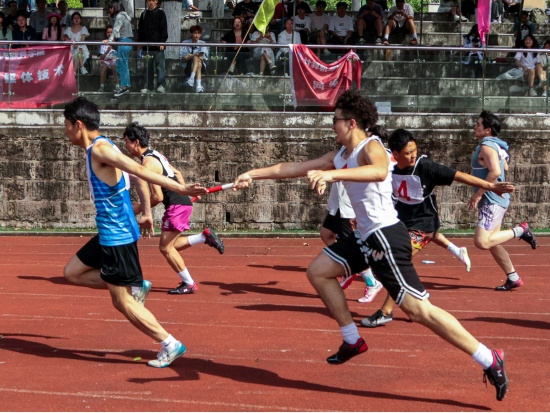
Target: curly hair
{"type": "Point", "coordinates": [360, 108]}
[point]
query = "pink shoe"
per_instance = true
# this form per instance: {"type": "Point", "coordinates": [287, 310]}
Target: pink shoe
{"type": "Point", "coordinates": [370, 293]}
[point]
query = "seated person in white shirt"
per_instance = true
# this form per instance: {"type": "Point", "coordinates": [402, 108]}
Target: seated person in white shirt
{"type": "Point", "coordinates": [302, 23]}
{"type": "Point", "coordinates": [341, 27]}
{"type": "Point", "coordinates": [319, 26]}
{"type": "Point", "coordinates": [194, 55]}
{"type": "Point", "coordinates": [287, 36]}
{"type": "Point", "coordinates": [400, 19]}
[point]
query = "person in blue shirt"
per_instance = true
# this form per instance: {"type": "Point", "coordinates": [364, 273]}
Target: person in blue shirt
{"type": "Point", "coordinates": [110, 259]}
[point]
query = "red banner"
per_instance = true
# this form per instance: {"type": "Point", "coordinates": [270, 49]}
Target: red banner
{"type": "Point", "coordinates": [316, 83]}
{"type": "Point", "coordinates": [33, 77]}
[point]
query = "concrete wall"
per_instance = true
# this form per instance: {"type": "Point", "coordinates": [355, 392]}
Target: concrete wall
{"type": "Point", "coordinates": [43, 180]}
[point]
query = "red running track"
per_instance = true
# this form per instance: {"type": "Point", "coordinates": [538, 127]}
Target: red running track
{"type": "Point", "coordinates": [257, 335]}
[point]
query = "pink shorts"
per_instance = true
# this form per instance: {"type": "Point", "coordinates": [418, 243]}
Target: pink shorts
{"type": "Point", "coordinates": [176, 218]}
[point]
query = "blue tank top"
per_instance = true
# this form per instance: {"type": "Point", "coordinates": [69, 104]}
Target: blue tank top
{"type": "Point", "coordinates": [115, 220]}
{"type": "Point", "coordinates": [481, 171]}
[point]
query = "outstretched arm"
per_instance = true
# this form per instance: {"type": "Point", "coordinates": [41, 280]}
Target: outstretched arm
{"type": "Point", "coordinates": [285, 170]}
{"type": "Point", "coordinates": [498, 188]}
{"type": "Point", "coordinates": [105, 153]}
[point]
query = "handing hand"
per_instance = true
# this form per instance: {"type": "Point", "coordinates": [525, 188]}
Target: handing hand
{"type": "Point", "coordinates": [501, 188]}
{"type": "Point", "coordinates": [318, 180]}
{"type": "Point", "coordinates": [242, 181]}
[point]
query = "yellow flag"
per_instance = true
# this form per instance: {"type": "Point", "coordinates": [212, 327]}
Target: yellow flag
{"type": "Point", "coordinates": [264, 15]}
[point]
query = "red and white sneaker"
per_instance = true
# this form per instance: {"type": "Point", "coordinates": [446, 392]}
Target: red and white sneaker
{"type": "Point", "coordinates": [370, 293]}
{"type": "Point", "coordinates": [346, 280]}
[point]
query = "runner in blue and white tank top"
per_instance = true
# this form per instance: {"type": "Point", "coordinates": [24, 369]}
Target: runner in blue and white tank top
{"type": "Point", "coordinates": [490, 162]}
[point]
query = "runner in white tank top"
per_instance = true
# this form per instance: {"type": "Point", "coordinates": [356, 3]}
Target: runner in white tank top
{"type": "Point", "coordinates": [388, 248]}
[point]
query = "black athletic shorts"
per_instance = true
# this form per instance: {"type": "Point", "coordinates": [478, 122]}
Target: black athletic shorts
{"type": "Point", "coordinates": [119, 265]}
{"type": "Point", "coordinates": [389, 254]}
{"type": "Point", "coordinates": [348, 252]}
{"type": "Point", "coordinates": [338, 225]}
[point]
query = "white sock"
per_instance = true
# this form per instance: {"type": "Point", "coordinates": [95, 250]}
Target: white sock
{"type": "Point", "coordinates": [186, 277]}
{"type": "Point", "coordinates": [350, 333]}
{"type": "Point", "coordinates": [454, 250]}
{"type": "Point", "coordinates": [518, 231]}
{"type": "Point", "coordinates": [169, 343]}
{"type": "Point", "coordinates": [199, 82]}
{"type": "Point", "coordinates": [483, 356]}
{"type": "Point", "coordinates": [386, 36]}
{"type": "Point", "coordinates": [192, 77]}
{"type": "Point", "coordinates": [513, 276]}
{"type": "Point", "coordinates": [368, 277]}
{"type": "Point", "coordinates": [196, 239]}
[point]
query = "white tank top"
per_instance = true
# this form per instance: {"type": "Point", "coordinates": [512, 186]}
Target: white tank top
{"type": "Point", "coordinates": [371, 201]}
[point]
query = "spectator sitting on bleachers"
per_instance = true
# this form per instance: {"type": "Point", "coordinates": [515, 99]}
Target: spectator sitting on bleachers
{"type": "Point", "coordinates": [472, 39]}
{"type": "Point", "coordinates": [246, 10]}
{"type": "Point", "coordinates": [53, 31]}
{"type": "Point", "coordinates": [401, 19]}
{"type": "Point", "coordinates": [194, 56]}
{"type": "Point", "coordinates": [497, 11]}
{"type": "Point", "coordinates": [11, 19]}
{"type": "Point", "coordinates": [22, 31]}
{"type": "Point", "coordinates": [541, 66]}
{"type": "Point", "coordinates": [107, 61]}
{"type": "Point", "coordinates": [39, 18]}
{"type": "Point", "coordinates": [522, 28]}
{"type": "Point", "coordinates": [319, 26]}
{"type": "Point", "coordinates": [341, 27]}
{"type": "Point", "coordinates": [287, 36]}
{"type": "Point", "coordinates": [370, 19]}
{"type": "Point", "coordinates": [5, 31]}
{"type": "Point", "coordinates": [526, 61]}
{"type": "Point", "coordinates": [302, 23]}
{"type": "Point", "coordinates": [236, 35]}
{"type": "Point", "coordinates": [451, 7]}
{"type": "Point", "coordinates": [78, 33]}
{"type": "Point", "coordinates": [264, 54]}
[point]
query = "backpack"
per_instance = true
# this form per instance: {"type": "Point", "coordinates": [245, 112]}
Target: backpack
{"type": "Point", "coordinates": [537, 16]}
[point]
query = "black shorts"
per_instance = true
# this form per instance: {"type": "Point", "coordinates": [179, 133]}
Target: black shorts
{"type": "Point", "coordinates": [348, 252]}
{"type": "Point", "coordinates": [338, 225]}
{"type": "Point", "coordinates": [389, 254]}
{"type": "Point", "coordinates": [119, 265]}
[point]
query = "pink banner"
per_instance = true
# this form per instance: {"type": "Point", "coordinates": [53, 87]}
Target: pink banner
{"type": "Point", "coordinates": [484, 19]}
{"type": "Point", "coordinates": [316, 83]}
{"type": "Point", "coordinates": [33, 77]}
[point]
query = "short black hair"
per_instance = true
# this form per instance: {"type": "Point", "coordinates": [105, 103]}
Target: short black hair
{"type": "Point", "coordinates": [490, 120]}
{"type": "Point", "coordinates": [11, 2]}
{"type": "Point", "coordinates": [355, 106]}
{"type": "Point", "coordinates": [399, 139]}
{"type": "Point", "coordinates": [341, 4]}
{"type": "Point", "coordinates": [135, 132]}
{"type": "Point", "coordinates": [83, 110]}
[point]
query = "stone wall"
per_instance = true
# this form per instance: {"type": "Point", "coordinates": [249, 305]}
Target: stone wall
{"type": "Point", "coordinates": [43, 180]}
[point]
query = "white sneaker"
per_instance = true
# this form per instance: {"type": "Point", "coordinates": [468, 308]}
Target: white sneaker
{"type": "Point", "coordinates": [361, 41]}
{"type": "Point", "coordinates": [456, 18]}
{"type": "Point", "coordinates": [370, 293]}
{"type": "Point", "coordinates": [532, 92]}
{"type": "Point", "coordinates": [83, 71]}
{"type": "Point", "coordinates": [544, 94]}
{"type": "Point", "coordinates": [378, 41]}
{"type": "Point", "coordinates": [161, 89]}
{"type": "Point", "coordinates": [164, 359]}
{"type": "Point", "coordinates": [465, 258]}
{"type": "Point", "coordinates": [199, 89]}
{"type": "Point", "coordinates": [463, 19]}
{"type": "Point", "coordinates": [144, 91]}
{"type": "Point", "coordinates": [190, 82]}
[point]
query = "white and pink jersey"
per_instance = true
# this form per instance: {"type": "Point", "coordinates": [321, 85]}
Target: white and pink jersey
{"type": "Point", "coordinates": [371, 201]}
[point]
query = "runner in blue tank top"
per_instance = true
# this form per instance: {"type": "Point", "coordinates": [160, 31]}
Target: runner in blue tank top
{"type": "Point", "coordinates": [110, 259]}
